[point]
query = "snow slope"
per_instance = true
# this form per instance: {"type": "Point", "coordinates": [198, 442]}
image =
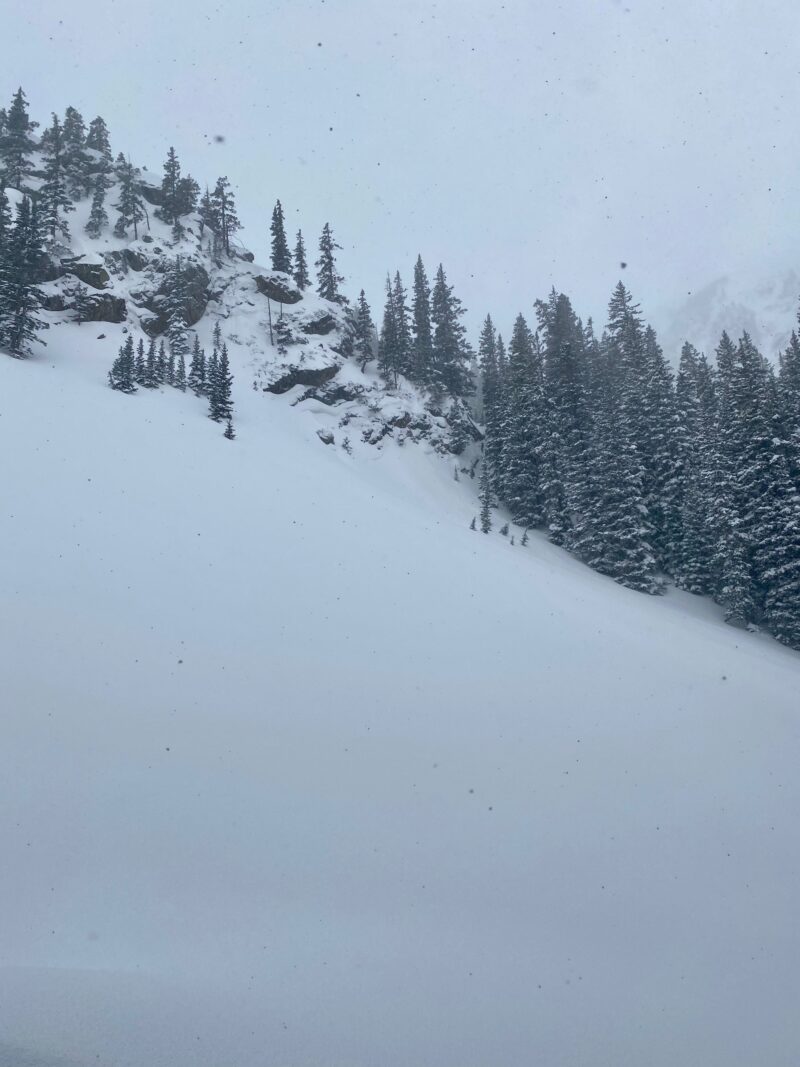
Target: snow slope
{"type": "Point", "coordinates": [298, 770]}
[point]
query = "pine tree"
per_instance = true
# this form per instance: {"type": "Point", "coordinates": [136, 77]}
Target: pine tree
{"type": "Point", "coordinates": [98, 218]}
{"type": "Point", "coordinates": [364, 338]}
{"type": "Point", "coordinates": [281, 256]}
{"type": "Point", "coordinates": [197, 369]}
{"type": "Point", "coordinates": [388, 360]}
{"type": "Point", "coordinates": [20, 297]}
{"type": "Point", "coordinates": [80, 301]}
{"type": "Point", "coordinates": [229, 431]}
{"type": "Point", "coordinates": [492, 404]}
{"type": "Point", "coordinates": [169, 187]}
{"type": "Point", "coordinates": [16, 143]}
{"type": "Point", "coordinates": [223, 213]}
{"type": "Point", "coordinates": [220, 406]}
{"type": "Point", "coordinates": [328, 280]}
{"type": "Point", "coordinates": [421, 370]}
{"type": "Point", "coordinates": [161, 364]}
{"type": "Point", "coordinates": [151, 373]}
{"type": "Point", "coordinates": [523, 429]}
{"type": "Point", "coordinates": [565, 448]}
{"type": "Point", "coordinates": [451, 352]}
{"type": "Point", "coordinates": [140, 376]}
{"type": "Point", "coordinates": [180, 373]}
{"type": "Point", "coordinates": [98, 140]}
{"type": "Point", "coordinates": [56, 201]}
{"type": "Point", "coordinates": [486, 498]}
{"type": "Point", "coordinates": [77, 160]}
{"type": "Point", "coordinates": [130, 204]}
{"type": "Point", "coordinates": [122, 373]}
{"type": "Point", "coordinates": [301, 278]}
{"type": "Point", "coordinates": [175, 308]}
{"type": "Point", "coordinates": [402, 327]}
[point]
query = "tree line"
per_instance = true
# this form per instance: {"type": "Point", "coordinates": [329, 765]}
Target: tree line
{"type": "Point", "coordinates": [645, 475]}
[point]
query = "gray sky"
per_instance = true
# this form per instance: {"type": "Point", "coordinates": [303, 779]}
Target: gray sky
{"type": "Point", "coordinates": [524, 144]}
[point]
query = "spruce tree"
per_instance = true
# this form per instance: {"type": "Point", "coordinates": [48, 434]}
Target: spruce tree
{"type": "Point", "coordinates": [98, 218]}
{"type": "Point", "coordinates": [98, 140]}
{"type": "Point", "coordinates": [328, 280]}
{"type": "Point", "coordinates": [301, 278]}
{"type": "Point", "coordinates": [223, 213]}
{"type": "Point", "coordinates": [421, 369]}
{"type": "Point", "coordinates": [140, 376]}
{"type": "Point", "coordinates": [388, 361]}
{"type": "Point", "coordinates": [130, 205]}
{"type": "Point", "coordinates": [169, 187]}
{"type": "Point", "coordinates": [161, 364]}
{"type": "Point", "coordinates": [486, 498]}
{"type": "Point", "coordinates": [402, 327]}
{"type": "Point", "coordinates": [151, 373]}
{"type": "Point", "coordinates": [55, 199]}
{"type": "Point", "coordinates": [229, 431]}
{"type": "Point", "coordinates": [180, 373]}
{"type": "Point", "coordinates": [364, 335]}
{"type": "Point", "coordinates": [20, 297]}
{"type": "Point", "coordinates": [281, 256]}
{"type": "Point", "coordinates": [77, 160]}
{"type": "Point", "coordinates": [492, 404]}
{"type": "Point", "coordinates": [122, 374]}
{"type": "Point", "coordinates": [451, 352]}
{"type": "Point", "coordinates": [16, 143]}
{"type": "Point", "coordinates": [523, 429]}
{"type": "Point", "coordinates": [197, 369]}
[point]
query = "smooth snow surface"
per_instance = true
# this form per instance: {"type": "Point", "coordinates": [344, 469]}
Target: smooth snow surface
{"type": "Point", "coordinates": [298, 770]}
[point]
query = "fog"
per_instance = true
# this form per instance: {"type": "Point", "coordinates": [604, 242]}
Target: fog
{"type": "Point", "coordinates": [523, 144]}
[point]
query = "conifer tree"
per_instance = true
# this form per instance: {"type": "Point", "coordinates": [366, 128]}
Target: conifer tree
{"type": "Point", "coordinates": [122, 374]}
{"type": "Point", "coordinates": [492, 404]}
{"type": "Point", "coordinates": [402, 327]}
{"type": "Point", "coordinates": [281, 256]}
{"type": "Point", "coordinates": [451, 352]}
{"type": "Point", "coordinates": [175, 310]}
{"type": "Point", "coordinates": [98, 140]}
{"type": "Point", "coordinates": [151, 373]}
{"type": "Point", "coordinates": [56, 201]}
{"type": "Point", "coordinates": [523, 429]}
{"type": "Point", "coordinates": [130, 204]}
{"type": "Point", "coordinates": [388, 361]}
{"type": "Point", "coordinates": [364, 335]}
{"type": "Point", "coordinates": [98, 218]}
{"type": "Point", "coordinates": [16, 143]}
{"type": "Point", "coordinates": [421, 369]}
{"type": "Point", "coordinates": [77, 161]}
{"type": "Point", "coordinates": [80, 301]}
{"type": "Point", "coordinates": [169, 187]}
{"type": "Point", "coordinates": [197, 369]}
{"type": "Point", "coordinates": [20, 297]}
{"type": "Point", "coordinates": [301, 278]}
{"type": "Point", "coordinates": [229, 431]}
{"type": "Point", "coordinates": [486, 498]}
{"type": "Point", "coordinates": [328, 280]}
{"type": "Point", "coordinates": [224, 219]}
{"type": "Point", "coordinates": [180, 373]}
{"type": "Point", "coordinates": [140, 365]}
{"type": "Point", "coordinates": [161, 364]}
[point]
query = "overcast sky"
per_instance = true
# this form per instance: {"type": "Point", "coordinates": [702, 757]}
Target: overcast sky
{"type": "Point", "coordinates": [525, 144]}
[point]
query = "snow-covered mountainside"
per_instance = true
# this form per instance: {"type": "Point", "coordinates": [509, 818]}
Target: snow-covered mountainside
{"type": "Point", "coordinates": [291, 772]}
{"type": "Point", "coordinates": [296, 768]}
{"type": "Point", "coordinates": [766, 308]}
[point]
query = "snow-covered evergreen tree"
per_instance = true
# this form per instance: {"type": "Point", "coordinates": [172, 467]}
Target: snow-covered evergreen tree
{"type": "Point", "coordinates": [301, 277]}
{"type": "Point", "coordinates": [281, 256]}
{"type": "Point", "coordinates": [328, 278]}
